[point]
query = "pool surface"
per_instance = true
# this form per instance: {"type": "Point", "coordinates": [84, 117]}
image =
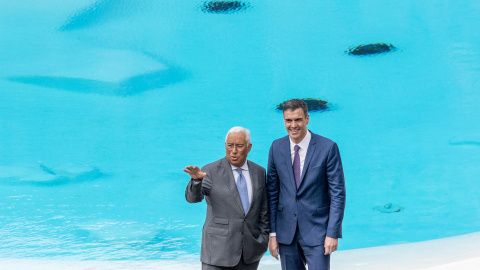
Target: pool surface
{"type": "Point", "coordinates": [102, 103]}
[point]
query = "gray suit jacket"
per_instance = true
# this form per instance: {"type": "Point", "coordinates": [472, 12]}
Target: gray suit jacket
{"type": "Point", "coordinates": [228, 231]}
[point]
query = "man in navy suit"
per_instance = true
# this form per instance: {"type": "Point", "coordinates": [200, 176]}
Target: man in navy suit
{"type": "Point", "coordinates": [306, 194]}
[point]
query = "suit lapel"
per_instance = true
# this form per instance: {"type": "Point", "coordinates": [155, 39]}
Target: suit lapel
{"type": "Point", "coordinates": [254, 180]}
{"type": "Point", "coordinates": [288, 154]}
{"type": "Point", "coordinates": [308, 158]}
{"type": "Point", "coordinates": [227, 173]}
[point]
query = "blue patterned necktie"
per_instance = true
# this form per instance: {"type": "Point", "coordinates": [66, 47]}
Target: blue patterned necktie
{"type": "Point", "coordinates": [296, 166]}
{"type": "Point", "coordinates": [242, 189]}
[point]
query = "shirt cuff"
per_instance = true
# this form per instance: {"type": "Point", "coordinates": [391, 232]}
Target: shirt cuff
{"type": "Point", "coordinates": [273, 234]}
{"type": "Point", "coordinates": [196, 183]}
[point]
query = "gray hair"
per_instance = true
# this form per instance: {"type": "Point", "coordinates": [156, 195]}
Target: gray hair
{"type": "Point", "coordinates": [294, 104]}
{"type": "Point", "coordinates": [240, 129]}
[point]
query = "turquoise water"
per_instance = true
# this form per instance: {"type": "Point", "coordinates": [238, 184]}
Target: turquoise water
{"type": "Point", "coordinates": [102, 103]}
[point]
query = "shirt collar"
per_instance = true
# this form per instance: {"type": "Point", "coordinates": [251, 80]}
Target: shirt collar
{"type": "Point", "coordinates": [244, 166]}
{"type": "Point", "coordinates": [304, 143]}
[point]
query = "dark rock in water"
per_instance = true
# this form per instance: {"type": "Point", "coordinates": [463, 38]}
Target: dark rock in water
{"type": "Point", "coordinates": [314, 104]}
{"type": "Point", "coordinates": [374, 48]}
{"type": "Point", "coordinates": [224, 7]}
{"type": "Point", "coordinates": [389, 208]}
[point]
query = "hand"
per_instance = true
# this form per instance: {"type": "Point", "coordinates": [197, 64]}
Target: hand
{"type": "Point", "coordinates": [273, 247]}
{"type": "Point", "coordinates": [331, 244]}
{"type": "Point", "coordinates": [194, 172]}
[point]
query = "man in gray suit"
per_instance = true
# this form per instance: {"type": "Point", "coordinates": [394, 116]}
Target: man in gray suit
{"type": "Point", "coordinates": [235, 233]}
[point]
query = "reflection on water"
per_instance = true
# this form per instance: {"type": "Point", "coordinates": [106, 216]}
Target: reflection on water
{"type": "Point", "coordinates": [39, 174]}
{"type": "Point", "coordinates": [128, 87]}
{"type": "Point", "coordinates": [100, 12]}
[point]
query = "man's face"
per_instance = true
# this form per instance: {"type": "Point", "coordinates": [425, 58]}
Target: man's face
{"type": "Point", "coordinates": [296, 124]}
{"type": "Point", "coordinates": [237, 149]}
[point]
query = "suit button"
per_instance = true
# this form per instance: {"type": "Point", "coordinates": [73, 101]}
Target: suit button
{"type": "Point", "coordinates": [294, 215]}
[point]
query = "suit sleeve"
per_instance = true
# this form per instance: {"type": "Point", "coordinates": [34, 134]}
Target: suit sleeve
{"type": "Point", "coordinates": [336, 188]}
{"type": "Point", "coordinates": [263, 223]}
{"type": "Point", "coordinates": [272, 190]}
{"type": "Point", "coordinates": [195, 192]}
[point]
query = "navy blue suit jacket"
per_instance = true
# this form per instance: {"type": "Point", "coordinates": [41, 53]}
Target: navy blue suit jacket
{"type": "Point", "coordinates": [318, 204]}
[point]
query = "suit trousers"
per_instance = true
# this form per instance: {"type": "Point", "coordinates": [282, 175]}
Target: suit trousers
{"type": "Point", "coordinates": [295, 255]}
{"type": "Point", "coordinates": [240, 266]}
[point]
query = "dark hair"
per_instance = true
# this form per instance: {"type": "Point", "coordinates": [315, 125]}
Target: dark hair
{"type": "Point", "coordinates": [294, 104]}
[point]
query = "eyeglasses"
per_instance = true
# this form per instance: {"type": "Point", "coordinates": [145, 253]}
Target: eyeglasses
{"type": "Point", "coordinates": [239, 147]}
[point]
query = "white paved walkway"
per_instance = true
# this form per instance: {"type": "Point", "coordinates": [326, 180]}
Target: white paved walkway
{"type": "Point", "coordinates": [452, 253]}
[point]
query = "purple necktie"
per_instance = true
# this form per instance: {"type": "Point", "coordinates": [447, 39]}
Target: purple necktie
{"type": "Point", "coordinates": [296, 165]}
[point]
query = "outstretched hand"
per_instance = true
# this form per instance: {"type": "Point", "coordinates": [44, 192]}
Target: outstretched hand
{"type": "Point", "coordinates": [194, 172]}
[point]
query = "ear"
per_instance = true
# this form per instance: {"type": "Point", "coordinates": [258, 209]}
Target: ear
{"type": "Point", "coordinates": [249, 148]}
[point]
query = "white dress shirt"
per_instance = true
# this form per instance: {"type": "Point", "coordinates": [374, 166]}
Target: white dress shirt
{"type": "Point", "coordinates": [246, 174]}
{"type": "Point", "coordinates": [302, 152]}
